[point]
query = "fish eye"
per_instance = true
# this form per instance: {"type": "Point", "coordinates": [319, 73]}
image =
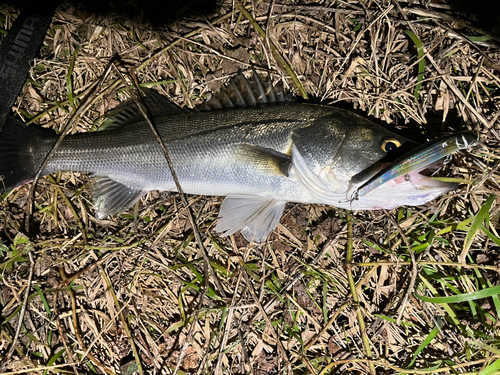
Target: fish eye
{"type": "Point", "coordinates": [390, 145]}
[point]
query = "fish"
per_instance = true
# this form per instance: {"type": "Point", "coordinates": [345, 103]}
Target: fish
{"type": "Point", "coordinates": [250, 143]}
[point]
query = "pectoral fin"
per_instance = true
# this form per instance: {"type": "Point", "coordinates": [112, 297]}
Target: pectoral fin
{"type": "Point", "coordinates": [256, 216]}
{"type": "Point", "coordinates": [111, 197]}
{"type": "Point", "coordinates": [263, 158]}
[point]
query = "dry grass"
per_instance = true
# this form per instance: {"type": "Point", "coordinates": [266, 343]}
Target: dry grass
{"type": "Point", "coordinates": [317, 298]}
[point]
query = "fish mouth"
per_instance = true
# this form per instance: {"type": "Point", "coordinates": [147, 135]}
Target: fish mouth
{"type": "Point", "coordinates": [416, 166]}
{"type": "Point", "coordinates": [425, 177]}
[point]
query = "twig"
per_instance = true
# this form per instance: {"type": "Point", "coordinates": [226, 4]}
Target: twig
{"type": "Point", "coordinates": [281, 61]}
{"type": "Point", "coordinates": [23, 308]}
{"type": "Point", "coordinates": [207, 266]}
{"type": "Point", "coordinates": [77, 329]}
{"type": "Point", "coordinates": [180, 191]}
{"type": "Point", "coordinates": [70, 206]}
{"type": "Point", "coordinates": [281, 349]}
{"type": "Point", "coordinates": [414, 271]}
{"type": "Point", "coordinates": [125, 324]}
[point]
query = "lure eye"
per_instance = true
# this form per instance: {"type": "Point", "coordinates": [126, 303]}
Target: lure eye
{"type": "Point", "coordinates": [390, 145]}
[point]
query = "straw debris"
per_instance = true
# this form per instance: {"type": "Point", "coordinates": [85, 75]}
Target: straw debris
{"type": "Point", "coordinates": [123, 294]}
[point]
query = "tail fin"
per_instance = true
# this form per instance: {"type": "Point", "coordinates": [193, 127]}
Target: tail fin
{"type": "Point", "coordinates": [22, 150]}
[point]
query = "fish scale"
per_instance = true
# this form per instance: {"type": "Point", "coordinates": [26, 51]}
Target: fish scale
{"type": "Point", "coordinates": [204, 160]}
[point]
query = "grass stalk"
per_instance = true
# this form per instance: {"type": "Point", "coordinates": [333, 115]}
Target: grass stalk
{"type": "Point", "coordinates": [428, 263]}
{"type": "Point", "coordinates": [281, 61]}
{"type": "Point", "coordinates": [76, 328]}
{"type": "Point", "coordinates": [354, 293]}
{"type": "Point", "coordinates": [13, 345]}
{"type": "Point", "coordinates": [125, 323]}
{"type": "Point", "coordinates": [396, 369]}
{"type": "Point", "coordinates": [70, 206]}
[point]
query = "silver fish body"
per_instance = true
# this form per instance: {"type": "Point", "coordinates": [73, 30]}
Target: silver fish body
{"type": "Point", "coordinates": [259, 156]}
{"type": "Point", "coordinates": [224, 152]}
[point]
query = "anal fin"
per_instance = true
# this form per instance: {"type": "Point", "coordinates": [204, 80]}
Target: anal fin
{"type": "Point", "coordinates": [111, 197]}
{"type": "Point", "coordinates": [256, 216]}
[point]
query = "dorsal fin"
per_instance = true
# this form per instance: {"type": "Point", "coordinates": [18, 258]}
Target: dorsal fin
{"type": "Point", "coordinates": [241, 92]}
{"type": "Point", "coordinates": [128, 112]}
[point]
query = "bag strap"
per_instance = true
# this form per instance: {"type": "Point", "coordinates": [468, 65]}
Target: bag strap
{"type": "Point", "coordinates": [18, 49]}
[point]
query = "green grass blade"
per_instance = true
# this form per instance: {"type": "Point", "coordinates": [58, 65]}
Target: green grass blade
{"type": "Point", "coordinates": [446, 306]}
{"type": "Point", "coordinates": [481, 38]}
{"type": "Point", "coordinates": [459, 226]}
{"type": "Point", "coordinates": [491, 368]}
{"type": "Point", "coordinates": [426, 342]}
{"type": "Point", "coordinates": [54, 358]}
{"type": "Point", "coordinates": [476, 225]}
{"type": "Point", "coordinates": [392, 320]}
{"type": "Point", "coordinates": [492, 237]}
{"type": "Point", "coordinates": [421, 61]}
{"type": "Point", "coordinates": [44, 300]}
{"type": "Point", "coordinates": [496, 300]}
{"type": "Point", "coordinates": [484, 293]}
{"type": "Point", "coordinates": [69, 79]}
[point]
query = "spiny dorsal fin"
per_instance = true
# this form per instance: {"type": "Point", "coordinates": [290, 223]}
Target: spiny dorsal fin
{"type": "Point", "coordinates": [128, 112]}
{"type": "Point", "coordinates": [111, 197]}
{"type": "Point", "coordinates": [241, 92]}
